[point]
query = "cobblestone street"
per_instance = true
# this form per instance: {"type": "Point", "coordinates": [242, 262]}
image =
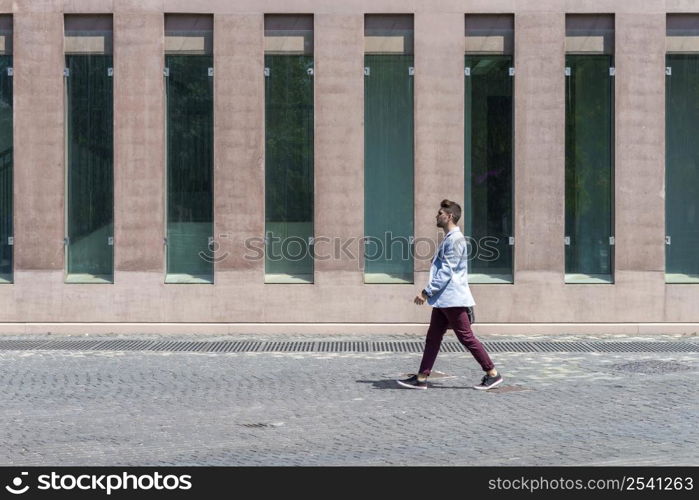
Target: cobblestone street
{"type": "Point", "coordinates": [70, 407]}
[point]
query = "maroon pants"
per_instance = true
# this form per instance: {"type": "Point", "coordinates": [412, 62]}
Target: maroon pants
{"type": "Point", "coordinates": [457, 318]}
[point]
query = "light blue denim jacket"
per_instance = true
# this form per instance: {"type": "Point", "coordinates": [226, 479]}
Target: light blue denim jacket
{"type": "Point", "coordinates": [448, 284]}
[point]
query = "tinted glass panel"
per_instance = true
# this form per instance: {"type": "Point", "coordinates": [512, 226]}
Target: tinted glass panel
{"type": "Point", "coordinates": [5, 169]}
{"type": "Point", "coordinates": [588, 170]}
{"type": "Point", "coordinates": [289, 168]}
{"type": "Point", "coordinates": [488, 167]}
{"type": "Point", "coordinates": [682, 168]}
{"type": "Point", "coordinates": [189, 88]}
{"type": "Point", "coordinates": [388, 168]}
{"type": "Point", "coordinates": [90, 180]}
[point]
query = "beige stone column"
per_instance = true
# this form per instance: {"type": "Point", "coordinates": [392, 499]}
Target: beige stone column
{"type": "Point", "coordinates": [339, 147]}
{"type": "Point", "coordinates": [239, 178]}
{"type": "Point", "coordinates": [640, 153]}
{"type": "Point", "coordinates": [139, 140]}
{"type": "Point", "coordinates": [539, 170]}
{"type": "Point", "coordinates": [439, 123]}
{"type": "Point", "coordinates": [239, 197]}
{"type": "Point", "coordinates": [39, 141]}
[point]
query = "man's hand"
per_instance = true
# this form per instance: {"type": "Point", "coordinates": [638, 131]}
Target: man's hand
{"type": "Point", "coordinates": [420, 298]}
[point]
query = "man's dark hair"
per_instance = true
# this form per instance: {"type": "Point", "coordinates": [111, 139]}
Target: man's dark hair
{"type": "Point", "coordinates": [453, 208]}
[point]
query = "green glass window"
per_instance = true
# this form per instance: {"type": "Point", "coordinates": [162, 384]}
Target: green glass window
{"type": "Point", "coordinates": [190, 114]}
{"type": "Point", "coordinates": [89, 150]}
{"type": "Point", "coordinates": [589, 123]}
{"type": "Point", "coordinates": [6, 151]}
{"type": "Point", "coordinates": [682, 168]}
{"type": "Point", "coordinates": [388, 150]}
{"type": "Point", "coordinates": [488, 167]}
{"type": "Point", "coordinates": [288, 149]}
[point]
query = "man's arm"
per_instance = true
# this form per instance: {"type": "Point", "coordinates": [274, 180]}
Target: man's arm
{"type": "Point", "coordinates": [453, 252]}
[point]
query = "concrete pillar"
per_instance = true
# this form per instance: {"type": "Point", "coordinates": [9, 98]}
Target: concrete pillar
{"type": "Point", "coordinates": [539, 172]}
{"type": "Point", "coordinates": [39, 174]}
{"type": "Point", "coordinates": [239, 197]}
{"type": "Point", "coordinates": [640, 138]}
{"type": "Point", "coordinates": [139, 141]}
{"type": "Point", "coordinates": [439, 123]}
{"type": "Point", "coordinates": [339, 146]}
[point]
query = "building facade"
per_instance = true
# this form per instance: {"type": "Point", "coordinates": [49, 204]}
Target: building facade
{"type": "Point", "coordinates": [222, 166]}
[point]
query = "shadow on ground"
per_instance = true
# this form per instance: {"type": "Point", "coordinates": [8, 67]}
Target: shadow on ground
{"type": "Point", "coordinates": [392, 384]}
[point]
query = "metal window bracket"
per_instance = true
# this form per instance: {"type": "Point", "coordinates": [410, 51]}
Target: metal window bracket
{"type": "Point", "coordinates": [110, 240]}
{"type": "Point", "coordinates": [266, 71]}
{"type": "Point", "coordinates": [567, 71]}
{"type": "Point", "coordinates": [10, 71]}
{"type": "Point", "coordinates": [411, 240]}
{"type": "Point", "coordinates": [311, 241]}
{"type": "Point", "coordinates": [411, 71]}
{"type": "Point", "coordinates": [668, 240]}
{"type": "Point", "coordinates": [512, 72]}
{"type": "Point", "coordinates": [110, 71]}
{"type": "Point", "coordinates": [10, 240]}
{"type": "Point", "coordinates": [467, 71]}
{"type": "Point", "coordinates": [310, 71]}
{"type": "Point", "coordinates": [166, 71]}
{"type": "Point", "coordinates": [210, 240]}
{"type": "Point", "coordinates": [210, 71]}
{"type": "Point", "coordinates": [511, 241]}
{"type": "Point", "coordinates": [165, 241]}
{"type": "Point", "coordinates": [367, 71]}
{"type": "Point", "coordinates": [668, 70]}
{"type": "Point", "coordinates": [612, 71]}
{"type": "Point", "coordinates": [566, 240]}
{"type": "Point", "coordinates": [66, 72]}
{"type": "Point", "coordinates": [611, 240]}
{"type": "Point", "coordinates": [66, 241]}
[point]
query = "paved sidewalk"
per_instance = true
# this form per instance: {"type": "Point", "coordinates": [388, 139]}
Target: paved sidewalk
{"type": "Point", "coordinates": [310, 408]}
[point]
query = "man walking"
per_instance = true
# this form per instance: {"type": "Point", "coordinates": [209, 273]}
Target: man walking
{"type": "Point", "coordinates": [448, 293]}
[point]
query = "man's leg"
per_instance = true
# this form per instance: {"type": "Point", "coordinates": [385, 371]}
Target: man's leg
{"type": "Point", "coordinates": [458, 318]}
{"type": "Point", "coordinates": [435, 333]}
